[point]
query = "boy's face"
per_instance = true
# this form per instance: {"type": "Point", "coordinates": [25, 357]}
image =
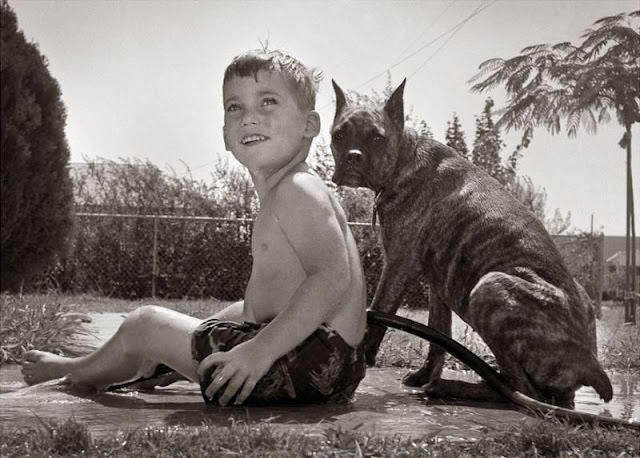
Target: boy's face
{"type": "Point", "coordinates": [264, 127]}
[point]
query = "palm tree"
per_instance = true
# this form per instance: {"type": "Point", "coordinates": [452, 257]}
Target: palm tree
{"type": "Point", "coordinates": [582, 85]}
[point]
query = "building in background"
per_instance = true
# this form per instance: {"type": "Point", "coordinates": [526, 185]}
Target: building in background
{"type": "Point", "coordinates": [614, 254]}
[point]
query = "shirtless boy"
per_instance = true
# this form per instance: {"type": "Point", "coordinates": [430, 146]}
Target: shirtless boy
{"type": "Point", "coordinates": [296, 336]}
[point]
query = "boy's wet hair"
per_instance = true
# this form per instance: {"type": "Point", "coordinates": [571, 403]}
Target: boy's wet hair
{"type": "Point", "coordinates": [303, 80]}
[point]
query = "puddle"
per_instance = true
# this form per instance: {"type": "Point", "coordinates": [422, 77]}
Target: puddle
{"type": "Point", "coordinates": [382, 405]}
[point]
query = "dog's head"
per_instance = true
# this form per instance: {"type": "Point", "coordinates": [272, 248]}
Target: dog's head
{"type": "Point", "coordinates": [365, 140]}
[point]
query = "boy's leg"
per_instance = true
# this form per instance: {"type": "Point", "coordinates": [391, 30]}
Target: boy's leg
{"type": "Point", "coordinates": [150, 334]}
{"type": "Point", "coordinates": [233, 312]}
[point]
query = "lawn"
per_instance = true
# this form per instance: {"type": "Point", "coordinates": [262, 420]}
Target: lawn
{"type": "Point", "coordinates": [44, 322]}
{"type": "Point", "coordinates": [618, 344]}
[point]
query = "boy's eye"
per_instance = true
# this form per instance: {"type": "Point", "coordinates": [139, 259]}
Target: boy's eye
{"type": "Point", "coordinates": [269, 101]}
{"type": "Point", "coordinates": [233, 107]}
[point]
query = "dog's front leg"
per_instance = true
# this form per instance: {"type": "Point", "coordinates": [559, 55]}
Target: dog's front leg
{"type": "Point", "coordinates": [431, 370]}
{"type": "Point", "coordinates": [396, 275]}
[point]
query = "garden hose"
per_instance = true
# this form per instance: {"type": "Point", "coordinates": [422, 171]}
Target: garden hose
{"type": "Point", "coordinates": [488, 373]}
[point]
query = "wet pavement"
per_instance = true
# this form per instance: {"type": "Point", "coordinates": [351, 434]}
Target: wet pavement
{"type": "Point", "coordinates": [382, 405]}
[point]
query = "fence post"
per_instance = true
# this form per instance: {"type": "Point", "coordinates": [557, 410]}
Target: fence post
{"type": "Point", "coordinates": [599, 274]}
{"type": "Point", "coordinates": [154, 272]}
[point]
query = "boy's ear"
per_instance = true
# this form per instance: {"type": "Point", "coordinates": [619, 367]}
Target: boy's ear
{"type": "Point", "coordinates": [312, 124]}
{"type": "Point", "coordinates": [341, 100]}
{"type": "Point", "coordinates": [224, 136]}
{"type": "Point", "coordinates": [395, 106]}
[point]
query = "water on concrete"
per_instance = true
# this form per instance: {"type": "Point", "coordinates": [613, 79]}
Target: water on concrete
{"type": "Point", "coordinates": [382, 405]}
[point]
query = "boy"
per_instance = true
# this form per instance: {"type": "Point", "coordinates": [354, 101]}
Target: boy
{"type": "Point", "coordinates": [297, 335]}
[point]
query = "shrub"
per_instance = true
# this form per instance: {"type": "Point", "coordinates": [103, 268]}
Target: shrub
{"type": "Point", "coordinates": [115, 255]}
{"type": "Point", "coordinates": [36, 188]}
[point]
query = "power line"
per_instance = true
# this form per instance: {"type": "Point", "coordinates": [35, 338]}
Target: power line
{"type": "Point", "coordinates": [427, 28]}
{"type": "Point", "coordinates": [454, 29]}
{"type": "Point", "coordinates": [478, 10]}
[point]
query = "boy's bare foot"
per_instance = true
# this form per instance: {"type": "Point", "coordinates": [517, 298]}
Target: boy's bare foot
{"type": "Point", "coordinates": [40, 366]}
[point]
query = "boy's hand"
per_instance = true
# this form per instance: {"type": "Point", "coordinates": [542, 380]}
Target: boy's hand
{"type": "Point", "coordinates": [239, 368]}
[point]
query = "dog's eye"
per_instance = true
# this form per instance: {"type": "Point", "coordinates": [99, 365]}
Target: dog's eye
{"type": "Point", "coordinates": [339, 135]}
{"type": "Point", "coordinates": [378, 139]}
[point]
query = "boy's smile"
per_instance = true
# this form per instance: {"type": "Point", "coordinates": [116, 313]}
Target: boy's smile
{"type": "Point", "coordinates": [253, 139]}
{"type": "Point", "coordinates": [264, 126]}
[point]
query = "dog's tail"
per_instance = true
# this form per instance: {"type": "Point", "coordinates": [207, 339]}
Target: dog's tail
{"type": "Point", "coordinates": [594, 376]}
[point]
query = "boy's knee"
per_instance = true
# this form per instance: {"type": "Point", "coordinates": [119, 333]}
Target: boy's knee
{"type": "Point", "coordinates": [140, 317]}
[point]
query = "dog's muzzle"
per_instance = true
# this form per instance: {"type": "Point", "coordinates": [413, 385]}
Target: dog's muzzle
{"type": "Point", "coordinates": [354, 157]}
{"type": "Point", "coordinates": [349, 171]}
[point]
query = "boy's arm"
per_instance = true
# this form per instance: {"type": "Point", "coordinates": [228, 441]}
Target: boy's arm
{"type": "Point", "coordinates": [236, 312]}
{"type": "Point", "coordinates": [307, 218]}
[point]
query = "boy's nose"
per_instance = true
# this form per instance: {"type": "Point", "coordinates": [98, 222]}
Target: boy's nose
{"type": "Point", "coordinates": [249, 118]}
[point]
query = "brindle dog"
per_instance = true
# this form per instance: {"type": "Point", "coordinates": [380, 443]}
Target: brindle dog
{"type": "Point", "coordinates": [483, 254]}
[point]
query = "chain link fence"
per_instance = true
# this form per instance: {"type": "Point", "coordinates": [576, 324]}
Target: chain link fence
{"type": "Point", "coordinates": [584, 256]}
{"type": "Point", "coordinates": [141, 256]}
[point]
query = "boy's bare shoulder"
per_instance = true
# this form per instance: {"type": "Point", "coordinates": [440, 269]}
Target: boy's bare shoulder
{"type": "Point", "coordinates": [302, 189]}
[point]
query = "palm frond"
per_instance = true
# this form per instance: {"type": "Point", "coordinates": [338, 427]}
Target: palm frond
{"type": "Point", "coordinates": [604, 116]}
{"type": "Point", "coordinates": [573, 122]}
{"type": "Point", "coordinates": [514, 117]}
{"type": "Point", "coordinates": [518, 79]}
{"type": "Point", "coordinates": [614, 31]}
{"type": "Point", "coordinates": [610, 19]}
{"type": "Point", "coordinates": [547, 84]}
{"type": "Point", "coordinates": [594, 47]}
{"type": "Point", "coordinates": [589, 120]}
{"type": "Point", "coordinates": [503, 72]}
{"type": "Point", "coordinates": [577, 55]}
{"type": "Point", "coordinates": [552, 124]}
{"type": "Point", "coordinates": [534, 49]}
{"type": "Point", "coordinates": [486, 67]}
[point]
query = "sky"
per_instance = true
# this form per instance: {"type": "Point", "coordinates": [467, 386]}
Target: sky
{"type": "Point", "coordinates": [143, 78]}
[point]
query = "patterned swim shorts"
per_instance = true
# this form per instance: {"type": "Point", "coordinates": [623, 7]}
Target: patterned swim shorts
{"type": "Point", "coordinates": [324, 368]}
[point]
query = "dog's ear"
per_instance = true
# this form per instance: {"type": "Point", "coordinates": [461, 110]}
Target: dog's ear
{"type": "Point", "coordinates": [341, 100]}
{"type": "Point", "coordinates": [395, 106]}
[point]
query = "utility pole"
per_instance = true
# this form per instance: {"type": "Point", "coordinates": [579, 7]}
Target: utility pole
{"type": "Point", "coordinates": [631, 293]}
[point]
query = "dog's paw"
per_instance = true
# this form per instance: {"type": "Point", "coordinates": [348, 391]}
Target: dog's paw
{"type": "Point", "coordinates": [416, 378]}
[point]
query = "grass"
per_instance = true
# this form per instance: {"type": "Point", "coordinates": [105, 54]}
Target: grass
{"type": "Point", "coordinates": [537, 438]}
{"type": "Point", "coordinates": [41, 324]}
{"type": "Point", "coordinates": [42, 321]}
{"type": "Point", "coordinates": [400, 349]}
{"type": "Point", "coordinates": [50, 321]}
{"type": "Point", "coordinates": [618, 343]}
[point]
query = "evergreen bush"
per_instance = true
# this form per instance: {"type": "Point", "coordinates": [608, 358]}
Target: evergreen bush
{"type": "Point", "coordinates": [36, 188]}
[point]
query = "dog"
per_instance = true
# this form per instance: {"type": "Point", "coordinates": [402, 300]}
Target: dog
{"type": "Point", "coordinates": [483, 254]}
